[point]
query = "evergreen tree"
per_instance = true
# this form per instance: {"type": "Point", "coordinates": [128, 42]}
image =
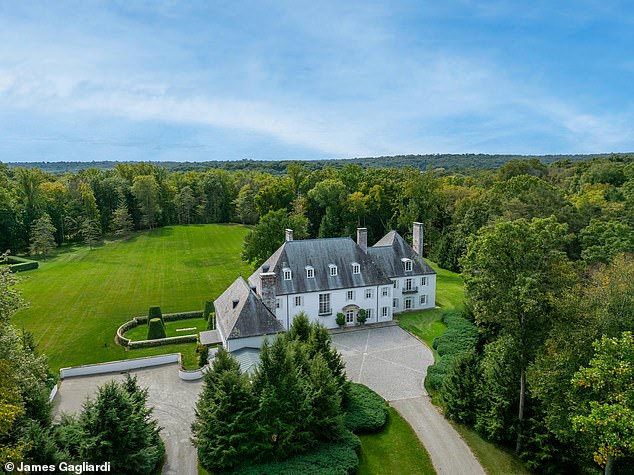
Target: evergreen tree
{"type": "Point", "coordinates": [121, 219]}
{"type": "Point", "coordinates": [89, 232]}
{"type": "Point", "coordinates": [118, 427]}
{"type": "Point", "coordinates": [224, 430]}
{"type": "Point", "coordinates": [42, 236]}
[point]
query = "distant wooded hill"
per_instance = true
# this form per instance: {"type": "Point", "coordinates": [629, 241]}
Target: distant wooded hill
{"type": "Point", "coordinates": [423, 162]}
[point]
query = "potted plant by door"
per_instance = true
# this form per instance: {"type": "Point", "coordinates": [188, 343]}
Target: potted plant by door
{"type": "Point", "coordinates": [362, 316]}
{"type": "Point", "coordinates": [341, 319]}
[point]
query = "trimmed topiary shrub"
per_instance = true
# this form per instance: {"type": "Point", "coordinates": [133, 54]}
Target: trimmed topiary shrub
{"type": "Point", "coordinates": [203, 354]}
{"type": "Point", "coordinates": [460, 337]}
{"type": "Point", "coordinates": [19, 264]}
{"type": "Point", "coordinates": [366, 411]}
{"type": "Point", "coordinates": [362, 316]}
{"type": "Point", "coordinates": [156, 329]}
{"type": "Point", "coordinates": [155, 312]}
{"type": "Point", "coordinates": [341, 319]}
{"type": "Point", "coordinates": [209, 307]}
{"type": "Point", "coordinates": [211, 321]}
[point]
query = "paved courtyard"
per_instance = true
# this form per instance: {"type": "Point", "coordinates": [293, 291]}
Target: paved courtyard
{"type": "Point", "coordinates": [172, 398]}
{"type": "Point", "coordinates": [394, 364]}
{"type": "Point", "coordinates": [388, 360]}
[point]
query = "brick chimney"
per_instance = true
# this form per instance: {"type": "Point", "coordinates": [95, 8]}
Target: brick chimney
{"type": "Point", "coordinates": [362, 238]}
{"type": "Point", "coordinates": [267, 289]}
{"type": "Point", "coordinates": [417, 239]}
{"type": "Point", "coordinates": [289, 235]}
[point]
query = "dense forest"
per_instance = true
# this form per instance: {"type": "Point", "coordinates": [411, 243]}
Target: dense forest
{"type": "Point", "coordinates": [543, 248]}
{"type": "Point", "coordinates": [278, 167]}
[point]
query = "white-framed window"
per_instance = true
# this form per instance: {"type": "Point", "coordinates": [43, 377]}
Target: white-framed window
{"type": "Point", "coordinates": [278, 303]}
{"type": "Point", "coordinates": [368, 293]}
{"type": "Point", "coordinates": [396, 284]}
{"type": "Point", "coordinates": [288, 275]}
{"type": "Point", "coordinates": [350, 316]}
{"type": "Point", "coordinates": [333, 270]}
{"type": "Point", "coordinates": [409, 284]}
{"type": "Point", "coordinates": [368, 314]}
{"type": "Point", "coordinates": [385, 291]}
{"type": "Point", "coordinates": [423, 281]}
{"type": "Point", "coordinates": [324, 304]}
{"type": "Point", "coordinates": [408, 304]}
{"type": "Point", "coordinates": [423, 299]}
{"type": "Point", "coordinates": [310, 272]}
{"type": "Point", "coordinates": [350, 295]}
{"type": "Point", "coordinates": [395, 303]}
{"type": "Point", "coordinates": [356, 268]}
{"type": "Point", "coordinates": [385, 311]}
{"type": "Point", "coordinates": [298, 301]}
{"type": "Point", "coordinates": [408, 264]}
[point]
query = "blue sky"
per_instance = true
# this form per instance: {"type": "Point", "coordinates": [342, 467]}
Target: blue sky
{"type": "Point", "coordinates": [226, 80]}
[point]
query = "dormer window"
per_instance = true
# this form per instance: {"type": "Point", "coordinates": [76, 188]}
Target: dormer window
{"type": "Point", "coordinates": [356, 268]}
{"type": "Point", "coordinates": [310, 272]}
{"type": "Point", "coordinates": [288, 274]}
{"type": "Point", "coordinates": [408, 264]}
{"type": "Point", "coordinates": [333, 270]}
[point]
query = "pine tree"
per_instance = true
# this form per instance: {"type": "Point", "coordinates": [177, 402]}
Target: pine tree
{"type": "Point", "coordinates": [42, 236]}
{"type": "Point", "coordinates": [121, 219]}
{"type": "Point", "coordinates": [224, 431]}
{"type": "Point", "coordinates": [118, 427]}
{"type": "Point", "coordinates": [89, 232]}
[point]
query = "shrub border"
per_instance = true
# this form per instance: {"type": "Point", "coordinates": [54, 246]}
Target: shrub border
{"type": "Point", "coordinates": [19, 264]}
{"type": "Point", "coordinates": [121, 340]}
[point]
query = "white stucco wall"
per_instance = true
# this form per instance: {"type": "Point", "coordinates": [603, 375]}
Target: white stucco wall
{"type": "Point", "coordinates": [338, 300]}
{"type": "Point", "coordinates": [429, 290]}
{"type": "Point", "coordinates": [234, 344]}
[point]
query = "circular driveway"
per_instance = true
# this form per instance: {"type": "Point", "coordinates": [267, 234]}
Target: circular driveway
{"type": "Point", "coordinates": [389, 360]}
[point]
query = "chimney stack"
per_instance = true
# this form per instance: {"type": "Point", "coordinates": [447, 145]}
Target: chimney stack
{"type": "Point", "coordinates": [267, 289]}
{"type": "Point", "coordinates": [362, 238]}
{"type": "Point", "coordinates": [417, 239]}
{"type": "Point", "coordinates": [289, 235]}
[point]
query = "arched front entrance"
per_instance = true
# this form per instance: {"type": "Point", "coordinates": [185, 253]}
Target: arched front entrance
{"type": "Point", "coordinates": [350, 311]}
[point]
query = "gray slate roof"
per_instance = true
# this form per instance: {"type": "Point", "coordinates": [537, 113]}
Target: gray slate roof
{"type": "Point", "coordinates": [320, 253]}
{"type": "Point", "coordinates": [248, 317]}
{"type": "Point", "coordinates": [249, 359]}
{"type": "Point", "coordinates": [388, 252]}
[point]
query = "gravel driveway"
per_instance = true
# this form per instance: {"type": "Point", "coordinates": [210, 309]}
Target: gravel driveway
{"type": "Point", "coordinates": [172, 398]}
{"type": "Point", "coordinates": [394, 364]}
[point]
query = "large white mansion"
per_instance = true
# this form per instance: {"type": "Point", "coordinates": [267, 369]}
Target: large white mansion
{"type": "Point", "coordinates": [323, 277]}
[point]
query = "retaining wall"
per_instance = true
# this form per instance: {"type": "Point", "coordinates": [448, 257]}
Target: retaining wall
{"type": "Point", "coordinates": [119, 366]}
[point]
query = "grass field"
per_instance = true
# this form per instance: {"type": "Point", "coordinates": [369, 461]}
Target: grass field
{"type": "Point", "coordinates": [191, 326]}
{"type": "Point", "coordinates": [427, 324]}
{"type": "Point", "coordinates": [395, 449]}
{"type": "Point", "coordinates": [78, 298]}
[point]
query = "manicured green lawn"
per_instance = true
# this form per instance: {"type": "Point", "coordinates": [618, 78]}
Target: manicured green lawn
{"type": "Point", "coordinates": [196, 324]}
{"type": "Point", "coordinates": [78, 298]}
{"type": "Point", "coordinates": [427, 324]}
{"type": "Point", "coordinates": [394, 450]}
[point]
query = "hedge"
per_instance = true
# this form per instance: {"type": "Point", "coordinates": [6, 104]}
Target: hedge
{"type": "Point", "coordinates": [20, 264]}
{"type": "Point", "coordinates": [174, 340]}
{"type": "Point", "coordinates": [460, 337]}
{"type": "Point", "coordinates": [336, 458]}
{"type": "Point", "coordinates": [365, 410]}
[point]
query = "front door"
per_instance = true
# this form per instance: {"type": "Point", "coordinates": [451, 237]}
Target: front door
{"type": "Point", "coordinates": [350, 317]}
